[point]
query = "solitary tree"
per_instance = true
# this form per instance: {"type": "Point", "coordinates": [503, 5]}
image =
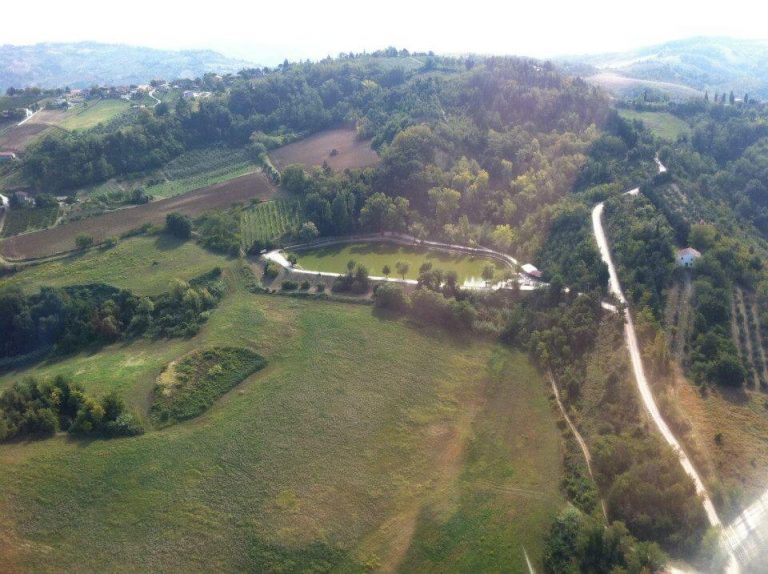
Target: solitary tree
{"type": "Point", "coordinates": [402, 268]}
{"type": "Point", "coordinates": [386, 271]}
{"type": "Point", "coordinates": [350, 265]}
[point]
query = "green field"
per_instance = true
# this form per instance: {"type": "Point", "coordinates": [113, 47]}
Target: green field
{"type": "Point", "coordinates": [94, 113]}
{"type": "Point", "coordinates": [200, 168]}
{"type": "Point", "coordinates": [24, 219]}
{"type": "Point", "coordinates": [268, 220]}
{"type": "Point", "coordinates": [146, 265]}
{"type": "Point", "coordinates": [375, 255]}
{"type": "Point", "coordinates": [190, 171]}
{"type": "Point", "coordinates": [662, 124]}
{"type": "Point", "coordinates": [366, 444]}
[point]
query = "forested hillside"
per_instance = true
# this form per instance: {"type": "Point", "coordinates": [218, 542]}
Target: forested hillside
{"type": "Point", "coordinates": [472, 150]}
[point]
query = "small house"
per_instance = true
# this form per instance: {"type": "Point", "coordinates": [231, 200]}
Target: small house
{"type": "Point", "coordinates": [4, 202]}
{"type": "Point", "coordinates": [531, 271]}
{"type": "Point", "coordinates": [7, 156]}
{"type": "Point", "coordinates": [687, 257]}
{"type": "Point", "coordinates": [188, 94]}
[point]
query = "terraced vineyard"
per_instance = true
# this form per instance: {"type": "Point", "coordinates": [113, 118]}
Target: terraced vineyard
{"type": "Point", "coordinates": [268, 220]}
{"type": "Point", "coordinates": [28, 219]}
{"type": "Point", "coordinates": [200, 168]}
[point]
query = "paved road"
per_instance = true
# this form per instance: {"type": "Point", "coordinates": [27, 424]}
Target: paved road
{"type": "Point", "coordinates": [642, 383]}
{"type": "Point", "coordinates": [152, 95]}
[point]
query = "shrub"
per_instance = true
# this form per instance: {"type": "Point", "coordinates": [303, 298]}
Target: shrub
{"type": "Point", "coordinates": [201, 378]}
{"type": "Point", "coordinates": [219, 231]}
{"type": "Point", "coordinates": [271, 269]}
{"type": "Point", "coordinates": [289, 285]}
{"type": "Point", "coordinates": [83, 241]}
{"type": "Point", "coordinates": [304, 285]}
{"type": "Point", "coordinates": [390, 296]}
{"type": "Point", "coordinates": [178, 225]}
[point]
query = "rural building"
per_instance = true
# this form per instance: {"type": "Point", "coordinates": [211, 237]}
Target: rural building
{"type": "Point", "coordinates": [531, 271]}
{"type": "Point", "coordinates": [7, 156]}
{"type": "Point", "coordinates": [4, 202]}
{"type": "Point", "coordinates": [687, 257]}
{"type": "Point", "coordinates": [189, 94]}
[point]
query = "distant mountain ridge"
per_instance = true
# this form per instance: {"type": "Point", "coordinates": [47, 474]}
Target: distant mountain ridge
{"type": "Point", "coordinates": [715, 64]}
{"type": "Point", "coordinates": [83, 64]}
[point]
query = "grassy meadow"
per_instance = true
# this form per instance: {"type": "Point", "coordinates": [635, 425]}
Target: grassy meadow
{"type": "Point", "coordinates": [662, 124]}
{"type": "Point", "coordinates": [366, 444]}
{"type": "Point", "coordinates": [146, 265]}
{"type": "Point", "coordinates": [94, 113]}
{"type": "Point", "coordinates": [374, 255]}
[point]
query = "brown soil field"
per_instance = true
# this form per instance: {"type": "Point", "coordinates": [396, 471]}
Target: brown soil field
{"type": "Point", "coordinates": [61, 238]}
{"type": "Point", "coordinates": [17, 138]}
{"type": "Point", "coordinates": [314, 150]}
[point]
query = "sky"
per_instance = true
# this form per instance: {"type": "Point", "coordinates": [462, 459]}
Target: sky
{"type": "Point", "coordinates": [268, 32]}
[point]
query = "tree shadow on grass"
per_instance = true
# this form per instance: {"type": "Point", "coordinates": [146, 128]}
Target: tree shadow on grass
{"type": "Point", "coordinates": [167, 242]}
{"type": "Point", "coordinates": [733, 395]}
{"type": "Point", "coordinates": [458, 338]}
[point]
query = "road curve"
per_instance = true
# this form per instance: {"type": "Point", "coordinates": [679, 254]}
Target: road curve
{"type": "Point", "coordinates": [642, 382]}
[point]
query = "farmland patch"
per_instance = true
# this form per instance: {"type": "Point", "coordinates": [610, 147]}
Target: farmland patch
{"type": "Point", "coordinates": [319, 148]}
{"type": "Point", "coordinates": [61, 238]}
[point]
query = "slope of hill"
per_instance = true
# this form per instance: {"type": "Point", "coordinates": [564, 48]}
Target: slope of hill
{"type": "Point", "coordinates": [702, 63]}
{"type": "Point", "coordinates": [83, 64]}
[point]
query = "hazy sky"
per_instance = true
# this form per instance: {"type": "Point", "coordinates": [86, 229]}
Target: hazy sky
{"type": "Point", "coordinates": [267, 32]}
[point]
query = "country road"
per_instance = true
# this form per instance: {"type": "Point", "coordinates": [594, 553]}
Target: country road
{"type": "Point", "coordinates": [28, 117]}
{"type": "Point", "coordinates": [152, 95]}
{"type": "Point", "coordinates": [642, 383]}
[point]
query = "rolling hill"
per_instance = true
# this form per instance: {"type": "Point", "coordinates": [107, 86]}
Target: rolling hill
{"type": "Point", "coordinates": [681, 67]}
{"type": "Point", "coordinates": [82, 64]}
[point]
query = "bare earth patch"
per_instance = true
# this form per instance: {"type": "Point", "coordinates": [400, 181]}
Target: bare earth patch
{"type": "Point", "coordinates": [316, 149]}
{"type": "Point", "coordinates": [62, 238]}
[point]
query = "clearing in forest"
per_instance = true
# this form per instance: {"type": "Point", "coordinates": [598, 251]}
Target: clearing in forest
{"type": "Point", "coordinates": [351, 152]}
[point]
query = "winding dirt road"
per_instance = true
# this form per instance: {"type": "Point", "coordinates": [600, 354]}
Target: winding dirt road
{"type": "Point", "coordinates": [642, 383]}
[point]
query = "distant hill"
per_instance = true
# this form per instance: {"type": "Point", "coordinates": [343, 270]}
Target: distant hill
{"type": "Point", "coordinates": [682, 67]}
{"type": "Point", "coordinates": [83, 64]}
